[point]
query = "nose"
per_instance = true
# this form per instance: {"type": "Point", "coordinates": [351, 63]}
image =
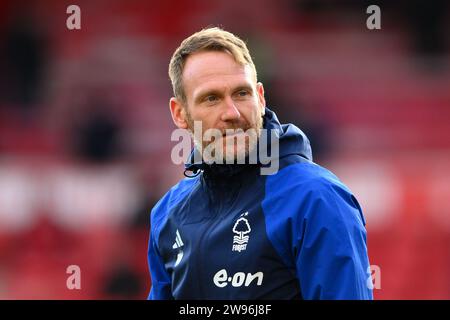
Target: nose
{"type": "Point", "coordinates": [230, 112]}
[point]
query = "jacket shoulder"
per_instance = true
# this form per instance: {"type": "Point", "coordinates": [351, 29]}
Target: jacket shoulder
{"type": "Point", "coordinates": [305, 176]}
{"type": "Point", "coordinates": [164, 206]}
{"type": "Point", "coordinates": [306, 185]}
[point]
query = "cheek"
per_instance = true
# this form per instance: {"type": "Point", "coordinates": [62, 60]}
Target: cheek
{"type": "Point", "coordinates": [207, 119]}
{"type": "Point", "coordinates": [254, 111]}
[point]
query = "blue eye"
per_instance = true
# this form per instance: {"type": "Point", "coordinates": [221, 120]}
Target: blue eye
{"type": "Point", "coordinates": [243, 93]}
{"type": "Point", "coordinates": [211, 98]}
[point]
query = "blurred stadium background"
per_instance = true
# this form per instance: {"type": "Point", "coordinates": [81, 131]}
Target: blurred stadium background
{"type": "Point", "coordinates": [85, 130]}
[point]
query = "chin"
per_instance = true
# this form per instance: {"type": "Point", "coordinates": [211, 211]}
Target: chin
{"type": "Point", "coordinates": [235, 156]}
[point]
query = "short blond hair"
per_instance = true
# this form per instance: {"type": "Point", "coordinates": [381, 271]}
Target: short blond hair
{"type": "Point", "coordinates": [209, 39]}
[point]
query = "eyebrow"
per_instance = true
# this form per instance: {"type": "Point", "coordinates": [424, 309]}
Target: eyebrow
{"type": "Point", "coordinates": [217, 92]}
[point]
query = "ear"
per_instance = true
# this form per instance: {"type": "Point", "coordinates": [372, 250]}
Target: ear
{"type": "Point", "coordinates": [178, 113]}
{"type": "Point", "coordinates": [261, 99]}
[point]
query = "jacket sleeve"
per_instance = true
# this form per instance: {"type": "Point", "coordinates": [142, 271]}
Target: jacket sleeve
{"type": "Point", "coordinates": [331, 257]}
{"type": "Point", "coordinates": [161, 283]}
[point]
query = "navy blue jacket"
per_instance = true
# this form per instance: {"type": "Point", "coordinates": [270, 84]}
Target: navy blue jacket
{"type": "Point", "coordinates": [232, 233]}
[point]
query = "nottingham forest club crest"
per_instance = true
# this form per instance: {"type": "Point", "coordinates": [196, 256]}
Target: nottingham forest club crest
{"type": "Point", "coordinates": [241, 230]}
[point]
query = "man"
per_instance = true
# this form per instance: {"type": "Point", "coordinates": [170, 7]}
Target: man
{"type": "Point", "coordinates": [230, 232]}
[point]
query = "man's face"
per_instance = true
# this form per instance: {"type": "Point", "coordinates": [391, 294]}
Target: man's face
{"type": "Point", "coordinates": [221, 94]}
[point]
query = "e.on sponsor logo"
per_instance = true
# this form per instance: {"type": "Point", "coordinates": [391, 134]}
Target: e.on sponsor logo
{"type": "Point", "coordinates": [221, 279]}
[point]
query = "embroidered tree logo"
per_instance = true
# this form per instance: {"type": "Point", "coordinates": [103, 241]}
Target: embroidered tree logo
{"type": "Point", "coordinates": [241, 228]}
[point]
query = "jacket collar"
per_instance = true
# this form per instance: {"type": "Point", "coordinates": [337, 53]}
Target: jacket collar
{"type": "Point", "coordinates": [291, 141]}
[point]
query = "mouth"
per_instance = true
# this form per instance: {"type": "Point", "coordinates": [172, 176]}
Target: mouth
{"type": "Point", "coordinates": [232, 134]}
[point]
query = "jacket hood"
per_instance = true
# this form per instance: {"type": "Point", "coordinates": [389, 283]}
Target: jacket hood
{"type": "Point", "coordinates": [292, 141]}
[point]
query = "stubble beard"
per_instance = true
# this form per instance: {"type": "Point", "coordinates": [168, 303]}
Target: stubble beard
{"type": "Point", "coordinates": [241, 139]}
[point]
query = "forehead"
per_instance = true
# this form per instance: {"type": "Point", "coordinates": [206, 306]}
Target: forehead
{"type": "Point", "coordinates": [214, 70]}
